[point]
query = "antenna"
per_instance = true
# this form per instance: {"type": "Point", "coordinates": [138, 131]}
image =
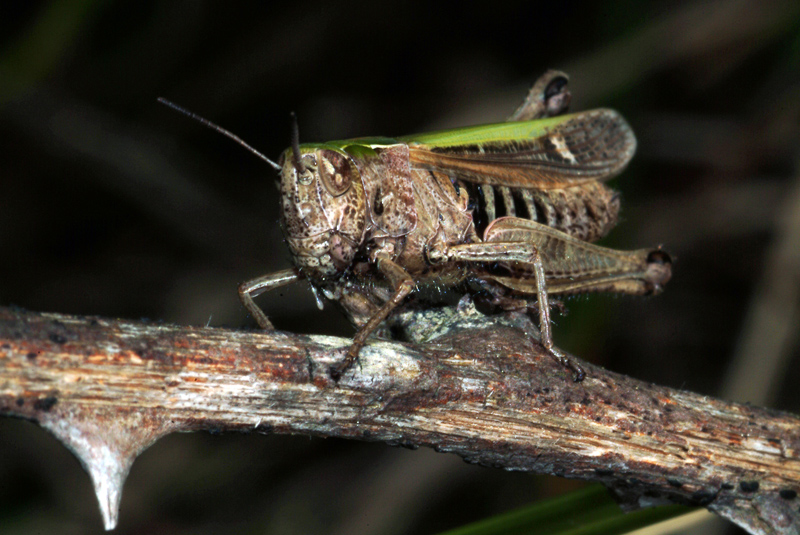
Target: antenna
{"type": "Point", "coordinates": [296, 161]}
{"type": "Point", "coordinates": [219, 129]}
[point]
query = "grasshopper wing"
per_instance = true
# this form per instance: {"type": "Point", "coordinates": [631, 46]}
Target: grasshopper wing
{"type": "Point", "coordinates": [553, 153]}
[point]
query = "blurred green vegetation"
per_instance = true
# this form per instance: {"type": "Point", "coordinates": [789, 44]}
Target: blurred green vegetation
{"type": "Point", "coordinates": [589, 511]}
{"type": "Point", "coordinates": [114, 205]}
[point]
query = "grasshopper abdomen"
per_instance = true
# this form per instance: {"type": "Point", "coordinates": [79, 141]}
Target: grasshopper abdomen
{"type": "Point", "coordinates": [587, 212]}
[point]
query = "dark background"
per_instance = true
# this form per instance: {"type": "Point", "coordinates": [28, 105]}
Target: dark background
{"type": "Point", "coordinates": [111, 204]}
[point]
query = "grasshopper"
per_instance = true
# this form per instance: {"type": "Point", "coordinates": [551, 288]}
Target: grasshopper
{"type": "Point", "coordinates": [510, 209]}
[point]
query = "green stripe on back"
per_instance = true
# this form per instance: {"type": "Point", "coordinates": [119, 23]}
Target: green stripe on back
{"type": "Point", "coordinates": [487, 133]}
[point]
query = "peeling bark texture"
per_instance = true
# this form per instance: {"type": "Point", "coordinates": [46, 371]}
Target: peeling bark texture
{"type": "Point", "coordinates": [479, 387]}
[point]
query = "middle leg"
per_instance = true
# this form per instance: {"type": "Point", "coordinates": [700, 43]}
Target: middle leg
{"type": "Point", "coordinates": [512, 252]}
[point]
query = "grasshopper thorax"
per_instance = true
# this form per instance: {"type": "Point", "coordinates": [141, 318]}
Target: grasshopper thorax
{"type": "Point", "coordinates": [323, 209]}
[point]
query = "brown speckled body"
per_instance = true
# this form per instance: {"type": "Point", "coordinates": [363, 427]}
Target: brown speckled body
{"type": "Point", "coordinates": [402, 214]}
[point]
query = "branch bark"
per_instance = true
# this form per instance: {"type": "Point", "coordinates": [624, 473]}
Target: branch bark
{"type": "Point", "coordinates": [481, 388]}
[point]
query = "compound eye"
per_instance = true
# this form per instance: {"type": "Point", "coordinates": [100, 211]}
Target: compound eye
{"type": "Point", "coordinates": [337, 171]}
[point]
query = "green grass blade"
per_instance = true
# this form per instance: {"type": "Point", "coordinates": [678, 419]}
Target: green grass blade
{"type": "Point", "coordinates": [585, 512]}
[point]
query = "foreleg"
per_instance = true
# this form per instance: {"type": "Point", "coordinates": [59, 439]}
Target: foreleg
{"type": "Point", "coordinates": [402, 283]}
{"type": "Point", "coordinates": [252, 288]}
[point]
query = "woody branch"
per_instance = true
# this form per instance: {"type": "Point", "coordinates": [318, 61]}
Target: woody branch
{"type": "Point", "coordinates": [483, 389]}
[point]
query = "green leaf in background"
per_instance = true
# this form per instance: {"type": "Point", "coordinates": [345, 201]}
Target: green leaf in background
{"type": "Point", "coordinates": [37, 51]}
{"type": "Point", "coordinates": [585, 512]}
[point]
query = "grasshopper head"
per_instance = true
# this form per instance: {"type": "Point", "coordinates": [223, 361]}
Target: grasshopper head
{"type": "Point", "coordinates": [323, 209]}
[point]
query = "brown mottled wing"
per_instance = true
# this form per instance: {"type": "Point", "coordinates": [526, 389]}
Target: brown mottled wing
{"type": "Point", "coordinates": [556, 152]}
